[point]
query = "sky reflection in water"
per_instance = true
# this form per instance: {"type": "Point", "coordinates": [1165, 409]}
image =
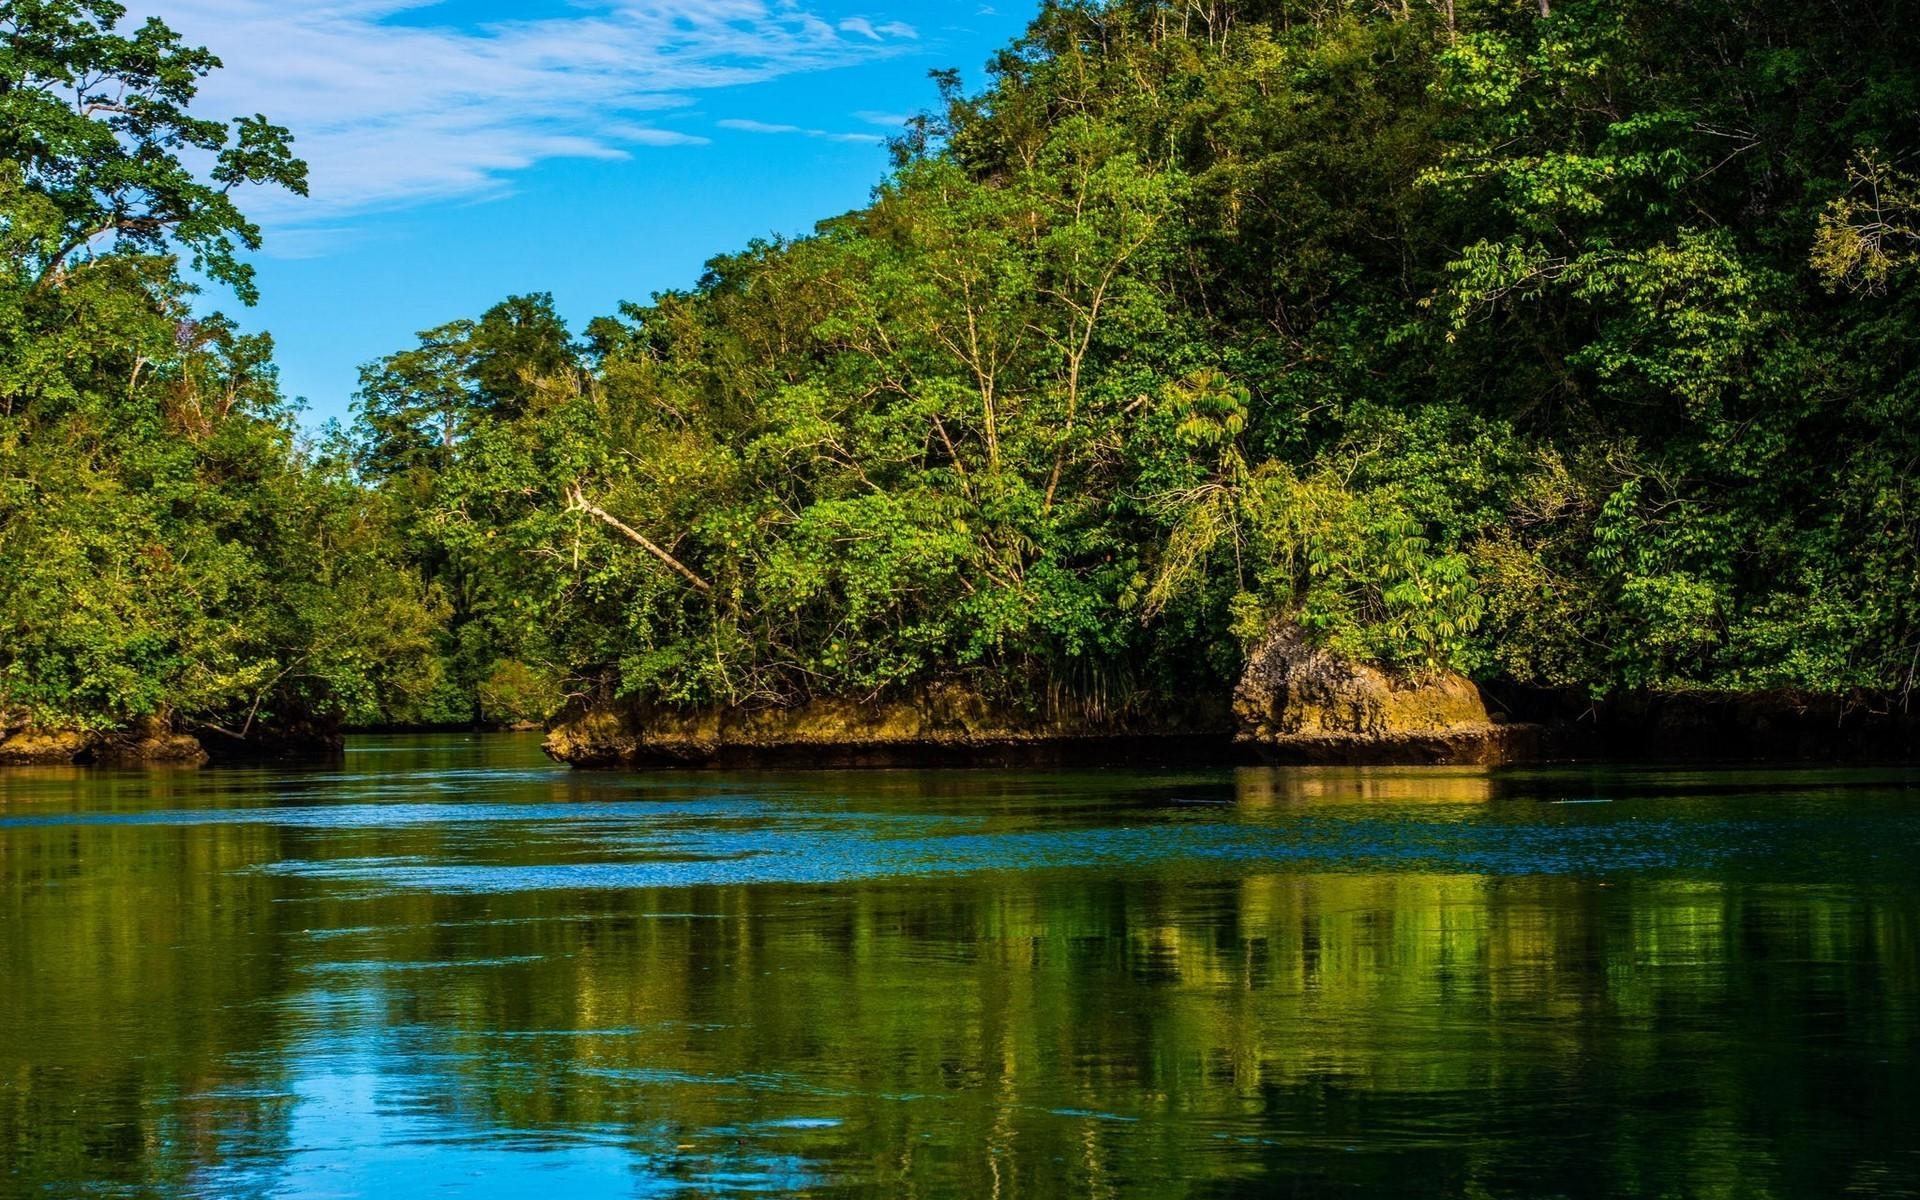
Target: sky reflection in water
{"type": "Point", "coordinates": [450, 968]}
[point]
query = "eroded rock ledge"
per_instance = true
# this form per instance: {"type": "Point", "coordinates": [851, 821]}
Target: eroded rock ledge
{"type": "Point", "coordinates": [1296, 703]}
{"type": "Point", "coordinates": [1299, 703]}
{"type": "Point", "coordinates": [938, 726]}
{"type": "Point", "coordinates": [151, 743]}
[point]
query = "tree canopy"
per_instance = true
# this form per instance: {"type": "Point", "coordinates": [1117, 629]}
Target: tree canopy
{"type": "Point", "coordinates": [169, 550]}
{"type": "Point", "coordinates": [1568, 345]}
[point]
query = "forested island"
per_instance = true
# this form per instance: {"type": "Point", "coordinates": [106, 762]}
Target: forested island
{"type": "Point", "coordinates": [1258, 368]}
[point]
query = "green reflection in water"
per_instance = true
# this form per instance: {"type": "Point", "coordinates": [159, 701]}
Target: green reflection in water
{"type": "Point", "coordinates": [448, 966]}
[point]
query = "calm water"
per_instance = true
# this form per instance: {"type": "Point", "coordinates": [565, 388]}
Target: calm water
{"type": "Point", "coordinates": [448, 968]}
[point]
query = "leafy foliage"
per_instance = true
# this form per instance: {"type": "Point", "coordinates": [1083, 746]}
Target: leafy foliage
{"type": "Point", "coordinates": [1555, 343]}
{"type": "Point", "coordinates": [1567, 344]}
{"type": "Point", "coordinates": [167, 549]}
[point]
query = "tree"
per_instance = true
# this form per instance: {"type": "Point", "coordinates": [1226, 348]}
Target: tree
{"type": "Point", "coordinates": [169, 551]}
{"type": "Point", "coordinates": [93, 124]}
{"type": "Point", "coordinates": [428, 419]}
{"type": "Point", "coordinates": [416, 406]}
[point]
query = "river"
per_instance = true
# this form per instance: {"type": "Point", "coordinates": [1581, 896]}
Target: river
{"type": "Point", "coordinates": [444, 966]}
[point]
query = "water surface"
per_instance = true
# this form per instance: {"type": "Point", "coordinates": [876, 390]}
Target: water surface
{"type": "Point", "coordinates": [446, 967]}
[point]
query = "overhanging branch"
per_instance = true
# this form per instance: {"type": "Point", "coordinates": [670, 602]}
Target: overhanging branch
{"type": "Point", "coordinates": [577, 502]}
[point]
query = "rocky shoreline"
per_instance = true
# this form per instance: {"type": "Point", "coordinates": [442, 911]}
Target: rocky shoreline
{"type": "Point", "coordinates": [1295, 704]}
{"type": "Point", "coordinates": [149, 744]}
{"type": "Point", "coordinates": [938, 726]}
{"type": "Point", "coordinates": [155, 743]}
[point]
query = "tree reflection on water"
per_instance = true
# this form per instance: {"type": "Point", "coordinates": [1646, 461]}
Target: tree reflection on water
{"type": "Point", "coordinates": [1306, 982]}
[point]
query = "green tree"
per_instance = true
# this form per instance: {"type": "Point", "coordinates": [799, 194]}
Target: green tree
{"type": "Point", "coordinates": [93, 124]}
{"type": "Point", "coordinates": [427, 416]}
{"type": "Point", "coordinates": [169, 551]}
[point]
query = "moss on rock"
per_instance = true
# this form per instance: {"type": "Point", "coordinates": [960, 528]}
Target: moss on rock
{"type": "Point", "coordinates": [152, 742]}
{"type": "Point", "coordinates": [37, 747]}
{"type": "Point", "coordinates": [941, 724]}
{"type": "Point", "coordinates": [1299, 702]}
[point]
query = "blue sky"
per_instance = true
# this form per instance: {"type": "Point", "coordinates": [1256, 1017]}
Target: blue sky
{"type": "Point", "coordinates": [601, 150]}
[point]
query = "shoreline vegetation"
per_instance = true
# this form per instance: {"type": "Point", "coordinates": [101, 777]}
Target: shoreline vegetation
{"type": "Point", "coordinates": [1477, 381]}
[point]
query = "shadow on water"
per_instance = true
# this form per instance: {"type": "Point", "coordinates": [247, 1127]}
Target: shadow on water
{"type": "Point", "coordinates": [443, 964]}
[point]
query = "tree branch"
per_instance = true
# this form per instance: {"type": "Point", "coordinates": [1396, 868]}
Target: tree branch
{"type": "Point", "coordinates": [577, 502]}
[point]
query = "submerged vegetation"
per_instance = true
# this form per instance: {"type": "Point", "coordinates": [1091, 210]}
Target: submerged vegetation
{"type": "Point", "coordinates": [1569, 345]}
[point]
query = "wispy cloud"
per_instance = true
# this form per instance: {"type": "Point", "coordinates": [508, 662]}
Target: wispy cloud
{"type": "Point", "coordinates": [759, 127]}
{"type": "Point", "coordinates": [878, 33]}
{"type": "Point", "coordinates": [765, 127]}
{"type": "Point", "coordinates": [397, 113]}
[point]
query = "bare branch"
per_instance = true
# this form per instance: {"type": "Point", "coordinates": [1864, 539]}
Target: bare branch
{"type": "Point", "coordinates": [577, 502]}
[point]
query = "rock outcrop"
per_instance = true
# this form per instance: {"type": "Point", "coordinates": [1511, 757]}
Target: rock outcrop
{"type": "Point", "coordinates": [937, 726]}
{"type": "Point", "coordinates": [1297, 702]}
{"type": "Point", "coordinates": [150, 743]}
{"type": "Point", "coordinates": [37, 747]}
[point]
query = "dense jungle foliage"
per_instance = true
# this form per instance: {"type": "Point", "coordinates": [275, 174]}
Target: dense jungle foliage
{"type": "Point", "coordinates": [1569, 344]}
{"type": "Point", "coordinates": [168, 550]}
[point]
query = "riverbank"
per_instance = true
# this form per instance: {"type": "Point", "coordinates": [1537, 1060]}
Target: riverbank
{"type": "Point", "coordinates": [148, 744]}
{"type": "Point", "coordinates": [1295, 703]}
{"type": "Point", "coordinates": [1294, 706]}
{"type": "Point", "coordinates": [156, 743]}
{"type": "Point", "coordinates": [937, 726]}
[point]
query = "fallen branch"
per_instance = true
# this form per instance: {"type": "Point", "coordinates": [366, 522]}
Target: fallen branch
{"type": "Point", "coordinates": [577, 502]}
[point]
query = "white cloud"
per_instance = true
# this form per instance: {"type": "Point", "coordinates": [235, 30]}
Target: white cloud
{"type": "Point", "coordinates": [766, 127]}
{"type": "Point", "coordinates": [758, 127]}
{"type": "Point", "coordinates": [878, 33]}
{"type": "Point", "coordinates": [396, 114]}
